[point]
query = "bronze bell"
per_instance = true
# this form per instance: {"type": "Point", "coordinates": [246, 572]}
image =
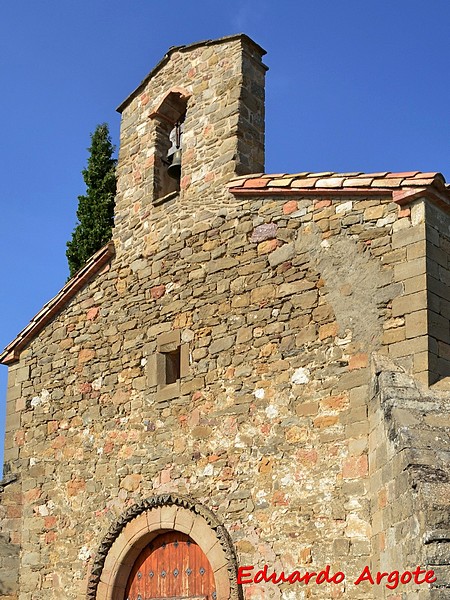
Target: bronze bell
{"type": "Point", "coordinates": [174, 169]}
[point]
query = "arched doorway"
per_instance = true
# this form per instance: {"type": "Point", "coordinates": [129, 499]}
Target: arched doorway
{"type": "Point", "coordinates": [171, 566]}
{"type": "Point", "coordinates": [117, 560]}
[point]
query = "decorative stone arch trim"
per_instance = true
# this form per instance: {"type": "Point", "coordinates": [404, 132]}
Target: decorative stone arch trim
{"type": "Point", "coordinates": [141, 523]}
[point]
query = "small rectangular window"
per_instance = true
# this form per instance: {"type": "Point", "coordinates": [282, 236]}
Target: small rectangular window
{"type": "Point", "coordinates": [168, 365]}
{"type": "Point", "coordinates": [173, 366]}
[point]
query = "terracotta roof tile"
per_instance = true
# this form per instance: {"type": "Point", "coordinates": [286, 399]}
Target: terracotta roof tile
{"type": "Point", "coordinates": [328, 181]}
{"type": "Point", "coordinates": [353, 174]}
{"type": "Point", "coordinates": [281, 182]}
{"type": "Point", "coordinates": [428, 176]}
{"type": "Point", "coordinates": [406, 174]}
{"type": "Point", "coordinates": [358, 182]}
{"type": "Point", "coordinates": [385, 182]}
{"type": "Point", "coordinates": [259, 182]}
{"type": "Point", "coordinates": [422, 182]}
{"type": "Point", "coordinates": [307, 182]}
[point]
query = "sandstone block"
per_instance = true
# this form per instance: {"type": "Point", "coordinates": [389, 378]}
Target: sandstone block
{"type": "Point", "coordinates": [408, 236]}
{"type": "Point", "coordinates": [282, 254]}
{"type": "Point", "coordinates": [403, 305]}
{"type": "Point", "coordinates": [409, 269]}
{"type": "Point", "coordinates": [131, 482]}
{"type": "Point", "coordinates": [221, 344]}
{"type": "Point", "coordinates": [417, 324]}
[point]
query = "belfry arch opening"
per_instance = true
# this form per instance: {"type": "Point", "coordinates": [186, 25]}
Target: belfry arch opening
{"type": "Point", "coordinates": [169, 117]}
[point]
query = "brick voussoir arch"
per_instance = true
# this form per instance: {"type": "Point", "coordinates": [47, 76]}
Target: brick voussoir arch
{"type": "Point", "coordinates": [142, 522]}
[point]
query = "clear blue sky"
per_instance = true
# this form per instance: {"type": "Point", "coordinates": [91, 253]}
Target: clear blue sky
{"type": "Point", "coordinates": [353, 85]}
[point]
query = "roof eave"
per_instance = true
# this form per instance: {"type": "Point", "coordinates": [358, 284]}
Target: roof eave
{"type": "Point", "coordinates": [302, 192]}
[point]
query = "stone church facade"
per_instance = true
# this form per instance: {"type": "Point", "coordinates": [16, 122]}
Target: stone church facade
{"type": "Point", "coordinates": [257, 364]}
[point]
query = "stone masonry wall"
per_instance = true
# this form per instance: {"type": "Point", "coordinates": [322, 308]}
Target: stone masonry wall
{"type": "Point", "coordinates": [409, 452]}
{"type": "Point", "coordinates": [10, 513]}
{"type": "Point", "coordinates": [438, 280]}
{"type": "Point", "coordinates": [280, 304]}
{"type": "Point", "coordinates": [223, 133]}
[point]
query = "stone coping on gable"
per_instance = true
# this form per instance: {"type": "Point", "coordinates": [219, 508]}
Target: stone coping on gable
{"type": "Point", "coordinates": [11, 353]}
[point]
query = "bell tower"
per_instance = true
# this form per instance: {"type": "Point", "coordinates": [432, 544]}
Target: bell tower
{"type": "Point", "coordinates": [194, 122]}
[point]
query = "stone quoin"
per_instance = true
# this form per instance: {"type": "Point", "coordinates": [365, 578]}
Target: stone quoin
{"type": "Point", "coordinates": [256, 363]}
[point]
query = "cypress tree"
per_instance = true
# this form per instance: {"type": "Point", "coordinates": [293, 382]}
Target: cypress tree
{"type": "Point", "coordinates": [95, 212]}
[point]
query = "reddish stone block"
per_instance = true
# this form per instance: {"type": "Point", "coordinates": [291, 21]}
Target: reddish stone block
{"type": "Point", "coordinates": [14, 512]}
{"type": "Point", "coordinates": [50, 537]}
{"type": "Point", "coordinates": [19, 438]}
{"type": "Point", "coordinates": [325, 421]}
{"type": "Point", "coordinates": [75, 486]}
{"type": "Point", "coordinates": [355, 467]}
{"type": "Point", "coordinates": [382, 498]}
{"type": "Point", "coordinates": [290, 207]}
{"type": "Point", "coordinates": [108, 448]}
{"type": "Point", "coordinates": [335, 402]}
{"type": "Point", "coordinates": [267, 246]}
{"type": "Point", "coordinates": [322, 204]}
{"type": "Point", "coordinates": [50, 522]}
{"type": "Point", "coordinates": [280, 499]}
{"type": "Point", "coordinates": [92, 313]}
{"type": "Point", "coordinates": [150, 161]}
{"type": "Point", "coordinates": [31, 495]}
{"type": "Point", "coordinates": [85, 388]}
{"type": "Point", "coordinates": [229, 373]}
{"type": "Point", "coordinates": [85, 355]}
{"type": "Point", "coordinates": [158, 292]}
{"type": "Point", "coordinates": [165, 476]}
{"type": "Point", "coordinates": [307, 457]}
{"type": "Point", "coordinates": [185, 182]}
{"type": "Point", "coordinates": [59, 442]}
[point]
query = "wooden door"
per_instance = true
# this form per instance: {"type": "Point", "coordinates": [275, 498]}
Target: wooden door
{"type": "Point", "coordinates": [174, 567]}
